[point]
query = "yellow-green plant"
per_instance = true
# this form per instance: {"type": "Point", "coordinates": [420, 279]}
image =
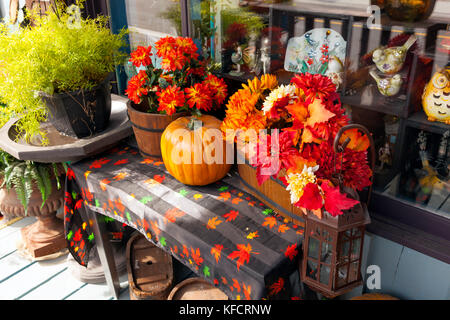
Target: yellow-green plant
{"type": "Point", "coordinates": [60, 52]}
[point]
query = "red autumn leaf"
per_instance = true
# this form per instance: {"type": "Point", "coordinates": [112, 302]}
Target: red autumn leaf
{"type": "Point", "coordinates": [77, 236]}
{"type": "Point", "coordinates": [224, 196]}
{"type": "Point", "coordinates": [171, 215]}
{"type": "Point", "coordinates": [213, 223]}
{"type": "Point", "coordinates": [270, 222]}
{"type": "Point", "coordinates": [243, 254]}
{"type": "Point", "coordinates": [283, 228]}
{"type": "Point", "coordinates": [185, 251]}
{"type": "Point", "coordinates": [196, 256]}
{"type": "Point", "coordinates": [216, 251]}
{"type": "Point", "coordinates": [97, 164]}
{"type": "Point", "coordinates": [216, 282]}
{"type": "Point", "coordinates": [291, 251]}
{"type": "Point", "coordinates": [122, 161]}
{"type": "Point", "coordinates": [276, 287]}
{"type": "Point", "coordinates": [70, 174]}
{"type": "Point", "coordinates": [247, 291]}
{"type": "Point", "coordinates": [236, 285]}
{"type": "Point", "coordinates": [335, 201]}
{"type": "Point", "coordinates": [78, 204]}
{"type": "Point", "coordinates": [159, 178]}
{"type": "Point", "coordinates": [231, 215]}
{"type": "Point", "coordinates": [311, 198]}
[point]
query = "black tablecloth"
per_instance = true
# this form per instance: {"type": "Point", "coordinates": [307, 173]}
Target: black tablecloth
{"type": "Point", "coordinates": [219, 231]}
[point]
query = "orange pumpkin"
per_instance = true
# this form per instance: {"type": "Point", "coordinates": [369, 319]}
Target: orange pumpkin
{"type": "Point", "coordinates": [194, 151]}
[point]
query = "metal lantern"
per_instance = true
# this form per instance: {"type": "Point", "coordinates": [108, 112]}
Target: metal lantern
{"type": "Point", "coordinates": [333, 246]}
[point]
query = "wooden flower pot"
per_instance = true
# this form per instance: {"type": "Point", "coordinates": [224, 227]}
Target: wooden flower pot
{"type": "Point", "coordinates": [81, 113]}
{"type": "Point", "coordinates": [148, 128]}
{"type": "Point", "coordinates": [272, 192]}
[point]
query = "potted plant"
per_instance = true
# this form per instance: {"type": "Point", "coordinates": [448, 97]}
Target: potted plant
{"type": "Point", "coordinates": [293, 163]}
{"type": "Point", "coordinates": [59, 69]}
{"type": "Point", "coordinates": [160, 95]}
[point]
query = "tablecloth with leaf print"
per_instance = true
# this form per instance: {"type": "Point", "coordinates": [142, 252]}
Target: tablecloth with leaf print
{"type": "Point", "coordinates": [220, 232]}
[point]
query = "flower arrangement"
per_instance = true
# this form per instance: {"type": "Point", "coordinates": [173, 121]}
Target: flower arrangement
{"type": "Point", "coordinates": [181, 84]}
{"type": "Point", "coordinates": [308, 114]}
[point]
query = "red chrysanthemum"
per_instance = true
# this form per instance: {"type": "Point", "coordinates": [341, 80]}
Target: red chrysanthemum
{"type": "Point", "coordinates": [136, 87]}
{"type": "Point", "coordinates": [218, 87]}
{"type": "Point", "coordinates": [199, 96]}
{"type": "Point", "coordinates": [176, 52]}
{"type": "Point", "coordinates": [315, 85]}
{"type": "Point", "coordinates": [141, 56]}
{"type": "Point", "coordinates": [170, 98]}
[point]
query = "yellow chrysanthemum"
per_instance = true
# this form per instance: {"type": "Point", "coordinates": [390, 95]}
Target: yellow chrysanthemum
{"type": "Point", "coordinates": [298, 181]}
{"type": "Point", "coordinates": [258, 86]}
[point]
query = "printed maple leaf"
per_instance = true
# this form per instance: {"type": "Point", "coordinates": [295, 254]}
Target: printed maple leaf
{"type": "Point", "coordinates": [70, 174]}
{"type": "Point", "coordinates": [172, 214]}
{"type": "Point", "coordinates": [97, 164]}
{"type": "Point", "coordinates": [291, 251]}
{"type": "Point", "coordinates": [147, 161]}
{"type": "Point", "coordinates": [121, 161]}
{"type": "Point", "coordinates": [247, 291]}
{"type": "Point", "coordinates": [197, 196]}
{"type": "Point", "coordinates": [213, 223]}
{"type": "Point", "coordinates": [283, 228]}
{"type": "Point", "coordinates": [103, 183]}
{"type": "Point", "coordinates": [267, 211]}
{"type": "Point", "coordinates": [155, 228]}
{"type": "Point", "coordinates": [146, 199]}
{"type": "Point", "coordinates": [78, 204]}
{"type": "Point", "coordinates": [224, 188]}
{"type": "Point", "coordinates": [119, 205]}
{"type": "Point", "coordinates": [253, 235]}
{"type": "Point", "coordinates": [270, 222]}
{"type": "Point", "coordinates": [236, 285]}
{"type": "Point", "coordinates": [77, 237]}
{"type": "Point", "coordinates": [196, 256]}
{"type": "Point", "coordinates": [216, 251]}
{"type": "Point", "coordinates": [120, 176]}
{"type": "Point", "coordinates": [231, 215]}
{"type": "Point", "coordinates": [276, 287]}
{"type": "Point", "coordinates": [206, 271]}
{"type": "Point", "coordinates": [224, 196]}
{"type": "Point", "coordinates": [162, 241]}
{"type": "Point", "coordinates": [185, 251]}
{"type": "Point", "coordinates": [236, 200]}
{"type": "Point", "coordinates": [224, 280]}
{"type": "Point", "coordinates": [158, 163]}
{"type": "Point", "coordinates": [183, 192]}
{"type": "Point", "coordinates": [242, 254]}
{"type": "Point", "coordinates": [159, 178]}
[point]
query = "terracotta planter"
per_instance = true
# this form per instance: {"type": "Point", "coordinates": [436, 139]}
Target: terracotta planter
{"type": "Point", "coordinates": [81, 113]}
{"type": "Point", "coordinates": [148, 128]}
{"type": "Point", "coordinates": [46, 235]}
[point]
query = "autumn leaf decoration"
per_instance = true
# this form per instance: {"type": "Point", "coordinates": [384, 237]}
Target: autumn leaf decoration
{"type": "Point", "coordinates": [216, 251]}
{"type": "Point", "coordinates": [213, 223]}
{"type": "Point", "coordinates": [242, 254]}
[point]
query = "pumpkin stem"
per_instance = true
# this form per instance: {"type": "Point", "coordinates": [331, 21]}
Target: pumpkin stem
{"type": "Point", "coordinates": [194, 123]}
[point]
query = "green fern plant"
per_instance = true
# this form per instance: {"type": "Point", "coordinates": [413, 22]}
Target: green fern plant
{"type": "Point", "coordinates": [21, 175]}
{"type": "Point", "coordinates": [60, 52]}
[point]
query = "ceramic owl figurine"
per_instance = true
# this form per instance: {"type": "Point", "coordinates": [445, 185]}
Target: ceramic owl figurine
{"type": "Point", "coordinates": [436, 97]}
{"type": "Point", "coordinates": [391, 60]}
{"type": "Point", "coordinates": [387, 86]}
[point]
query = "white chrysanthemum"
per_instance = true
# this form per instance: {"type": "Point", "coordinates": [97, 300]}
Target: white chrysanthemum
{"type": "Point", "coordinates": [278, 93]}
{"type": "Point", "coordinates": [298, 181]}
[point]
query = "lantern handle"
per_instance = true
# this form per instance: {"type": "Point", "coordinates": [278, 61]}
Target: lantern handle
{"type": "Point", "coordinates": [338, 148]}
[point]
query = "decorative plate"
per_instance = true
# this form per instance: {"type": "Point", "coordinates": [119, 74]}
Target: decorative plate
{"type": "Point", "coordinates": [320, 50]}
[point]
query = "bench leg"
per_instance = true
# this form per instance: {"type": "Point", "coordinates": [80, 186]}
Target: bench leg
{"type": "Point", "coordinates": [105, 254]}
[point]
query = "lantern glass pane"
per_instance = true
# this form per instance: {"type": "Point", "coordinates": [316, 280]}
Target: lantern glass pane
{"type": "Point", "coordinates": [344, 251]}
{"type": "Point", "coordinates": [324, 274]}
{"type": "Point", "coordinates": [312, 270]}
{"type": "Point", "coordinates": [317, 232]}
{"type": "Point", "coordinates": [356, 232]}
{"type": "Point", "coordinates": [342, 276]}
{"type": "Point", "coordinates": [313, 248]}
{"type": "Point", "coordinates": [356, 246]}
{"type": "Point", "coordinates": [325, 255]}
{"type": "Point", "coordinates": [354, 271]}
{"type": "Point", "coordinates": [327, 236]}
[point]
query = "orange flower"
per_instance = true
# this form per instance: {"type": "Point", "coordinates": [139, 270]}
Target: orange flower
{"type": "Point", "coordinates": [141, 56]}
{"type": "Point", "coordinates": [218, 87]}
{"type": "Point", "coordinates": [170, 98]}
{"type": "Point", "coordinates": [165, 46]}
{"type": "Point", "coordinates": [176, 52]}
{"type": "Point", "coordinates": [136, 88]}
{"type": "Point", "coordinates": [199, 96]}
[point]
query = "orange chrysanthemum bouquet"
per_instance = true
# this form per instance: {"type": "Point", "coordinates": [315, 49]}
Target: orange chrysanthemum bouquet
{"type": "Point", "coordinates": [308, 115]}
{"type": "Point", "coordinates": [181, 84]}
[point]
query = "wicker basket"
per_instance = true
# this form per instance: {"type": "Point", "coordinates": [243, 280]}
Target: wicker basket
{"type": "Point", "coordinates": [196, 289]}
